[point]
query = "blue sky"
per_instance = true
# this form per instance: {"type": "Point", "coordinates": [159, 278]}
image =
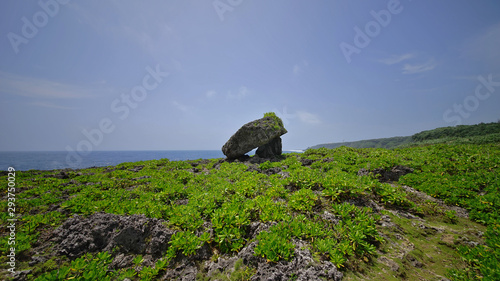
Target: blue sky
{"type": "Point", "coordinates": [167, 75]}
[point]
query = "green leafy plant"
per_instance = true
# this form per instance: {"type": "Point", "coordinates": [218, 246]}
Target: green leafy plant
{"type": "Point", "coordinates": [302, 200]}
{"type": "Point", "coordinates": [185, 217]}
{"type": "Point", "coordinates": [451, 216]}
{"type": "Point", "coordinates": [150, 273]}
{"type": "Point", "coordinates": [88, 267]}
{"type": "Point", "coordinates": [392, 195]}
{"type": "Point", "coordinates": [268, 210]}
{"type": "Point", "coordinates": [229, 224]}
{"type": "Point", "coordinates": [186, 242]}
{"type": "Point", "coordinates": [278, 123]}
{"type": "Point", "coordinates": [274, 245]}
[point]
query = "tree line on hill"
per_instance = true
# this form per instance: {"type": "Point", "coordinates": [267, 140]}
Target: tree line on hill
{"type": "Point", "coordinates": [479, 133]}
{"type": "Point", "coordinates": [460, 131]}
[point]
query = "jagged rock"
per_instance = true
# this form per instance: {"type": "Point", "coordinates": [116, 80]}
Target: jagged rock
{"type": "Point", "coordinates": [136, 169]}
{"type": "Point", "coordinates": [389, 263]}
{"type": "Point", "coordinates": [302, 267]}
{"type": "Point", "coordinates": [306, 162]}
{"type": "Point", "coordinates": [185, 271]}
{"type": "Point", "coordinates": [254, 134]}
{"type": "Point", "coordinates": [122, 261]}
{"type": "Point", "coordinates": [99, 232]}
{"type": "Point", "coordinates": [21, 275]}
{"type": "Point", "coordinates": [387, 175]}
{"type": "Point", "coordinates": [271, 149]}
{"type": "Point", "coordinates": [327, 216]}
{"type": "Point", "coordinates": [221, 265]}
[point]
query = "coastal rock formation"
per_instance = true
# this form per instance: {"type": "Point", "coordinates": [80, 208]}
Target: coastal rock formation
{"type": "Point", "coordinates": [99, 232]}
{"type": "Point", "coordinates": [302, 267]}
{"type": "Point", "coordinates": [270, 149]}
{"type": "Point", "coordinates": [383, 175]}
{"type": "Point", "coordinates": [263, 133]}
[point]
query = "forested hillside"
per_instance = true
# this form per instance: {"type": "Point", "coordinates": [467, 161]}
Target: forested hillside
{"type": "Point", "coordinates": [460, 131]}
{"type": "Point", "coordinates": [463, 134]}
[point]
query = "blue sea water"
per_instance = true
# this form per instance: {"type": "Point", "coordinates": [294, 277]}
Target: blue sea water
{"type": "Point", "coordinates": [51, 160]}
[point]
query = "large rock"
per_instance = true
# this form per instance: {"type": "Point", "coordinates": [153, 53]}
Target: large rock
{"type": "Point", "coordinates": [270, 149]}
{"type": "Point", "coordinates": [255, 134]}
{"type": "Point", "coordinates": [101, 232]}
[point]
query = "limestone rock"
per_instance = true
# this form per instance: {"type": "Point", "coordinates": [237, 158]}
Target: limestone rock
{"type": "Point", "coordinates": [99, 232]}
{"type": "Point", "coordinates": [270, 149]}
{"type": "Point", "coordinates": [383, 175]}
{"type": "Point", "coordinates": [255, 134]}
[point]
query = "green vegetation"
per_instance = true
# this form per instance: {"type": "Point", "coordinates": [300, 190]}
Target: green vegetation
{"type": "Point", "coordinates": [186, 242]}
{"type": "Point", "coordinates": [318, 198]}
{"type": "Point", "coordinates": [462, 134]}
{"type": "Point", "coordinates": [240, 273]}
{"type": "Point", "coordinates": [95, 267]}
{"type": "Point", "coordinates": [371, 143]}
{"type": "Point", "coordinates": [460, 131]}
{"type": "Point", "coordinates": [278, 123]}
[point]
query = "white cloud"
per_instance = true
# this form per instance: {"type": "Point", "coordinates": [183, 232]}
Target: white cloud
{"type": "Point", "coordinates": [396, 59]}
{"type": "Point", "coordinates": [418, 68]}
{"type": "Point", "coordinates": [152, 44]}
{"type": "Point", "coordinates": [241, 93]}
{"type": "Point", "coordinates": [307, 117]}
{"type": "Point", "coordinates": [180, 106]}
{"type": "Point", "coordinates": [296, 69]}
{"type": "Point", "coordinates": [40, 88]}
{"type": "Point", "coordinates": [299, 67]}
{"type": "Point", "coordinates": [409, 68]}
{"type": "Point", "coordinates": [210, 94]}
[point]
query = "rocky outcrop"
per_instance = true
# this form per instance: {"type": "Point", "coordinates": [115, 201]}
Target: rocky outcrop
{"type": "Point", "coordinates": [270, 149]}
{"type": "Point", "coordinates": [302, 266]}
{"type": "Point", "coordinates": [134, 234]}
{"type": "Point", "coordinates": [262, 133]}
{"type": "Point", "coordinates": [384, 175]}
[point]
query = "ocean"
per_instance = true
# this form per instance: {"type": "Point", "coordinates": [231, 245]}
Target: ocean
{"type": "Point", "coordinates": [52, 160]}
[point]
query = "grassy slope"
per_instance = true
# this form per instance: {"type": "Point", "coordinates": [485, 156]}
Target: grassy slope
{"type": "Point", "coordinates": [406, 237]}
{"type": "Point", "coordinates": [475, 134]}
{"type": "Point", "coordinates": [372, 143]}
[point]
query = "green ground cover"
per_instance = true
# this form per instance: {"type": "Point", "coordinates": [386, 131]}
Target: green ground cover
{"type": "Point", "coordinates": [189, 195]}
